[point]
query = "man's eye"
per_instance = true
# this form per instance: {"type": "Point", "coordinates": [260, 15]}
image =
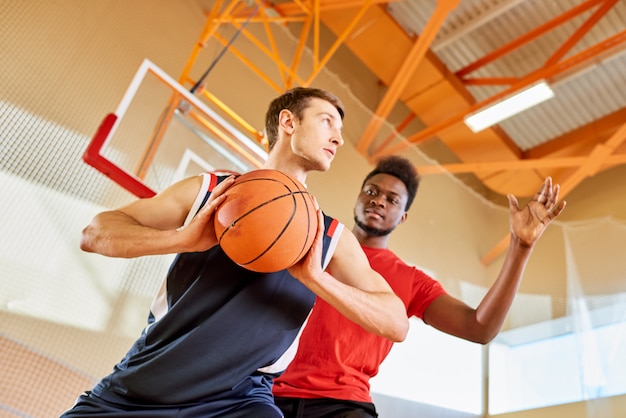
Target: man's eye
{"type": "Point", "coordinates": [369, 192]}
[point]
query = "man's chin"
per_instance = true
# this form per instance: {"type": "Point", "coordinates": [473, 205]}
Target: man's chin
{"type": "Point", "coordinates": [372, 231]}
{"type": "Point", "coordinates": [323, 166]}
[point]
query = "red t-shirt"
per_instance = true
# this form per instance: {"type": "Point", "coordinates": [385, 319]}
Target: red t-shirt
{"type": "Point", "coordinates": [336, 357]}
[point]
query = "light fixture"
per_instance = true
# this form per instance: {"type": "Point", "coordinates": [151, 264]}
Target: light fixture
{"type": "Point", "coordinates": [509, 106]}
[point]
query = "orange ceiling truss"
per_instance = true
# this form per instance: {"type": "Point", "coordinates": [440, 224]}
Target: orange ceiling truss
{"type": "Point", "coordinates": [406, 71]}
{"type": "Point", "coordinates": [553, 67]}
{"type": "Point", "coordinates": [239, 14]}
{"type": "Point", "coordinates": [588, 166]}
{"type": "Point", "coordinates": [433, 95]}
{"type": "Point", "coordinates": [601, 157]}
{"type": "Point", "coordinates": [440, 99]}
{"type": "Point", "coordinates": [311, 14]}
{"type": "Point", "coordinates": [545, 73]}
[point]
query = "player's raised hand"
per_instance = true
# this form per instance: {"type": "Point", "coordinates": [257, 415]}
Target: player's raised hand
{"type": "Point", "coordinates": [528, 224]}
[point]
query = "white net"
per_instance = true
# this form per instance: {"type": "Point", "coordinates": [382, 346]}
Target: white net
{"type": "Point", "coordinates": [67, 317]}
{"type": "Point", "coordinates": [576, 356]}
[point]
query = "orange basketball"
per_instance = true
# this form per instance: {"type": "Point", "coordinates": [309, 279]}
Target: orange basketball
{"type": "Point", "coordinates": [267, 222]}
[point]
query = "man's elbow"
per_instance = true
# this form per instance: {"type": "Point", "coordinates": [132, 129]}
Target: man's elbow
{"type": "Point", "coordinates": [92, 238]}
{"type": "Point", "coordinates": [484, 338]}
{"type": "Point", "coordinates": [86, 240]}
{"type": "Point", "coordinates": [399, 331]}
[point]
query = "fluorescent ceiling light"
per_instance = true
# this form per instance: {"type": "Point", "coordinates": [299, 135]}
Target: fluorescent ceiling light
{"type": "Point", "coordinates": [509, 106]}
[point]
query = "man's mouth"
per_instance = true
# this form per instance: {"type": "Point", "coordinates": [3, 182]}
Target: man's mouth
{"type": "Point", "coordinates": [372, 212]}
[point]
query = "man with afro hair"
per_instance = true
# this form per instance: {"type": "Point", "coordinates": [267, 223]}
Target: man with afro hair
{"type": "Point", "coordinates": [330, 374]}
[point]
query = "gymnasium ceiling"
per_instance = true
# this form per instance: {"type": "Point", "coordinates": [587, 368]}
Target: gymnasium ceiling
{"type": "Point", "coordinates": [440, 60]}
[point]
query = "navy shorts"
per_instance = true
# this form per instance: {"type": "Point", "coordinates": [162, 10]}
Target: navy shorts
{"type": "Point", "coordinates": [89, 405]}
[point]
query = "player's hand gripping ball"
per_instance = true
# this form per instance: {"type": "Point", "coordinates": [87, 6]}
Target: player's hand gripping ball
{"type": "Point", "coordinates": [267, 222]}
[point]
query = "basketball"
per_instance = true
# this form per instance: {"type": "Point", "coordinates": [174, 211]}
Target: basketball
{"type": "Point", "coordinates": [267, 221]}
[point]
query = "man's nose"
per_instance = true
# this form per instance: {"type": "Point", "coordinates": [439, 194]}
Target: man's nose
{"type": "Point", "coordinates": [338, 138]}
{"type": "Point", "coordinates": [378, 200]}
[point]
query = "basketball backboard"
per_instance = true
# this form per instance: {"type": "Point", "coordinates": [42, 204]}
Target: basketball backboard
{"type": "Point", "coordinates": [161, 133]}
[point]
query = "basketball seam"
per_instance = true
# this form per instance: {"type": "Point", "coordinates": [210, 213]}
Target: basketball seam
{"type": "Point", "coordinates": [294, 189]}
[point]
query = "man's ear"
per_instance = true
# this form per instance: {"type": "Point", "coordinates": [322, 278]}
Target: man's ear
{"type": "Point", "coordinates": [286, 121]}
{"type": "Point", "coordinates": [403, 219]}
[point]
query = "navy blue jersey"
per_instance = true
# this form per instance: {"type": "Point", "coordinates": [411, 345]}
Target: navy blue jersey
{"type": "Point", "coordinates": [214, 327]}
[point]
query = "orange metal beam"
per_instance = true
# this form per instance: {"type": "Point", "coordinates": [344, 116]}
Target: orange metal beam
{"type": "Point", "coordinates": [516, 165]}
{"type": "Point", "coordinates": [306, 27]}
{"type": "Point", "coordinates": [149, 151]}
{"type": "Point", "coordinates": [219, 132]}
{"type": "Point", "coordinates": [319, 64]}
{"type": "Point", "coordinates": [413, 59]}
{"type": "Point", "coordinates": [295, 11]}
{"type": "Point", "coordinates": [242, 57]}
{"type": "Point", "coordinates": [600, 155]}
{"type": "Point", "coordinates": [581, 138]}
{"type": "Point", "coordinates": [234, 116]}
{"type": "Point", "coordinates": [236, 13]}
{"type": "Point", "coordinates": [526, 38]}
{"type": "Point", "coordinates": [282, 70]}
{"type": "Point", "coordinates": [271, 52]}
{"type": "Point", "coordinates": [490, 81]}
{"type": "Point", "coordinates": [207, 31]}
{"type": "Point", "coordinates": [542, 73]}
{"type": "Point", "coordinates": [393, 135]}
{"type": "Point", "coordinates": [296, 7]}
{"type": "Point", "coordinates": [581, 32]}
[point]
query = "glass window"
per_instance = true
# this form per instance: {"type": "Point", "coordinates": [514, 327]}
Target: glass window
{"type": "Point", "coordinates": [433, 368]}
{"type": "Point", "coordinates": [573, 364]}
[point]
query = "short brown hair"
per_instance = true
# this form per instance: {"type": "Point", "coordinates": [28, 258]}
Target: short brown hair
{"type": "Point", "coordinates": [295, 100]}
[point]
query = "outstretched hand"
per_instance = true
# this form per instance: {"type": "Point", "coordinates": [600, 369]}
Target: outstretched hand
{"type": "Point", "coordinates": [528, 224]}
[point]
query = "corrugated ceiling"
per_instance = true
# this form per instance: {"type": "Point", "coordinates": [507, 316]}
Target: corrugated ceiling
{"type": "Point", "coordinates": [444, 59]}
{"type": "Point", "coordinates": [441, 60]}
{"type": "Point", "coordinates": [478, 27]}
